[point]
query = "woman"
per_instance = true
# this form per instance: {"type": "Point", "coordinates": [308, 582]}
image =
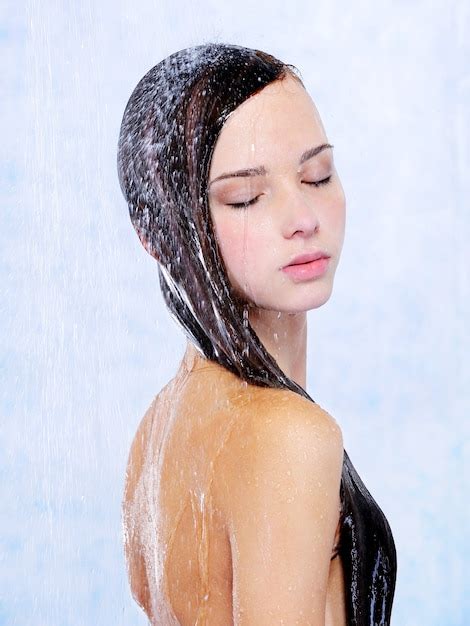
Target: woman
{"type": "Point", "coordinates": [241, 505]}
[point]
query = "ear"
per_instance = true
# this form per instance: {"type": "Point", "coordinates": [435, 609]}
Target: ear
{"type": "Point", "coordinates": [145, 241]}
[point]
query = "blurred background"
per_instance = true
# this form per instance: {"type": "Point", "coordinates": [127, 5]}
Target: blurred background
{"type": "Point", "coordinates": [86, 341]}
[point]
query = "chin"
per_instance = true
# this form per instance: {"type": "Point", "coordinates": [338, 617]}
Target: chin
{"type": "Point", "coordinates": [304, 297]}
{"type": "Point", "coordinates": [309, 295]}
{"type": "Point", "coordinates": [309, 305]}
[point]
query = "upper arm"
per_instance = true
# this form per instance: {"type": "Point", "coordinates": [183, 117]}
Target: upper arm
{"type": "Point", "coordinates": [280, 478]}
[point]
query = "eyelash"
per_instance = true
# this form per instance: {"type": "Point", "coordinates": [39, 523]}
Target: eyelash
{"type": "Point", "coordinates": [241, 205]}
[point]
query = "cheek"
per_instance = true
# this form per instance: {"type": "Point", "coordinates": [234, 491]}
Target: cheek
{"type": "Point", "coordinates": [232, 244]}
{"type": "Point", "coordinates": [336, 213]}
{"type": "Point", "coordinates": [235, 240]}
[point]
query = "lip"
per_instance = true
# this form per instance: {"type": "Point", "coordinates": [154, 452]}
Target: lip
{"type": "Point", "coordinates": [308, 266]}
{"type": "Point", "coordinates": [308, 257]}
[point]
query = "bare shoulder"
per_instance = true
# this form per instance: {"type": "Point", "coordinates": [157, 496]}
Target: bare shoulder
{"type": "Point", "coordinates": [139, 445]}
{"type": "Point", "coordinates": [278, 478]}
{"type": "Point", "coordinates": [281, 434]}
{"type": "Point", "coordinates": [284, 416]}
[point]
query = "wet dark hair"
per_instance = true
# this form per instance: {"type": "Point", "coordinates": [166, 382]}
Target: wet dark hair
{"type": "Point", "coordinates": [168, 134]}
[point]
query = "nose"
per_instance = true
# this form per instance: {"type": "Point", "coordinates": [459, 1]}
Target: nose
{"type": "Point", "coordinates": [300, 215]}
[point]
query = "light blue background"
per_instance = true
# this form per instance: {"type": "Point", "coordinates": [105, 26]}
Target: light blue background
{"type": "Point", "coordinates": [86, 341]}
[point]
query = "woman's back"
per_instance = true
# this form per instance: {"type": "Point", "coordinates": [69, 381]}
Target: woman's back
{"type": "Point", "coordinates": [178, 539]}
{"type": "Point", "coordinates": [231, 186]}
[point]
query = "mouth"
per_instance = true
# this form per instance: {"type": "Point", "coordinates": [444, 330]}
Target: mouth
{"type": "Point", "coordinates": [306, 270]}
{"type": "Point", "coordinates": [308, 257]}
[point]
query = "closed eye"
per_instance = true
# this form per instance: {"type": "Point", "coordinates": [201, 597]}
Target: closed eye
{"type": "Point", "coordinates": [242, 205]}
{"type": "Point", "coordinates": [317, 183]}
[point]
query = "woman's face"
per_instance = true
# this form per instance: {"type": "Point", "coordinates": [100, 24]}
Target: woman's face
{"type": "Point", "coordinates": [281, 214]}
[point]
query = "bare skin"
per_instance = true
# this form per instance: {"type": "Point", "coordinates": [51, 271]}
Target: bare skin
{"type": "Point", "coordinates": [273, 129]}
{"type": "Point", "coordinates": [237, 486]}
{"type": "Point", "coordinates": [208, 426]}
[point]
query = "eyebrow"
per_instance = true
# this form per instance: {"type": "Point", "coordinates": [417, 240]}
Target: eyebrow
{"type": "Point", "coordinates": [261, 171]}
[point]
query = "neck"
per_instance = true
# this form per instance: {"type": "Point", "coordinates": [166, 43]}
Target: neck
{"type": "Point", "coordinates": [284, 335]}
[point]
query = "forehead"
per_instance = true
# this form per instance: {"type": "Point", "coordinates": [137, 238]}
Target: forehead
{"type": "Point", "coordinates": [278, 122]}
